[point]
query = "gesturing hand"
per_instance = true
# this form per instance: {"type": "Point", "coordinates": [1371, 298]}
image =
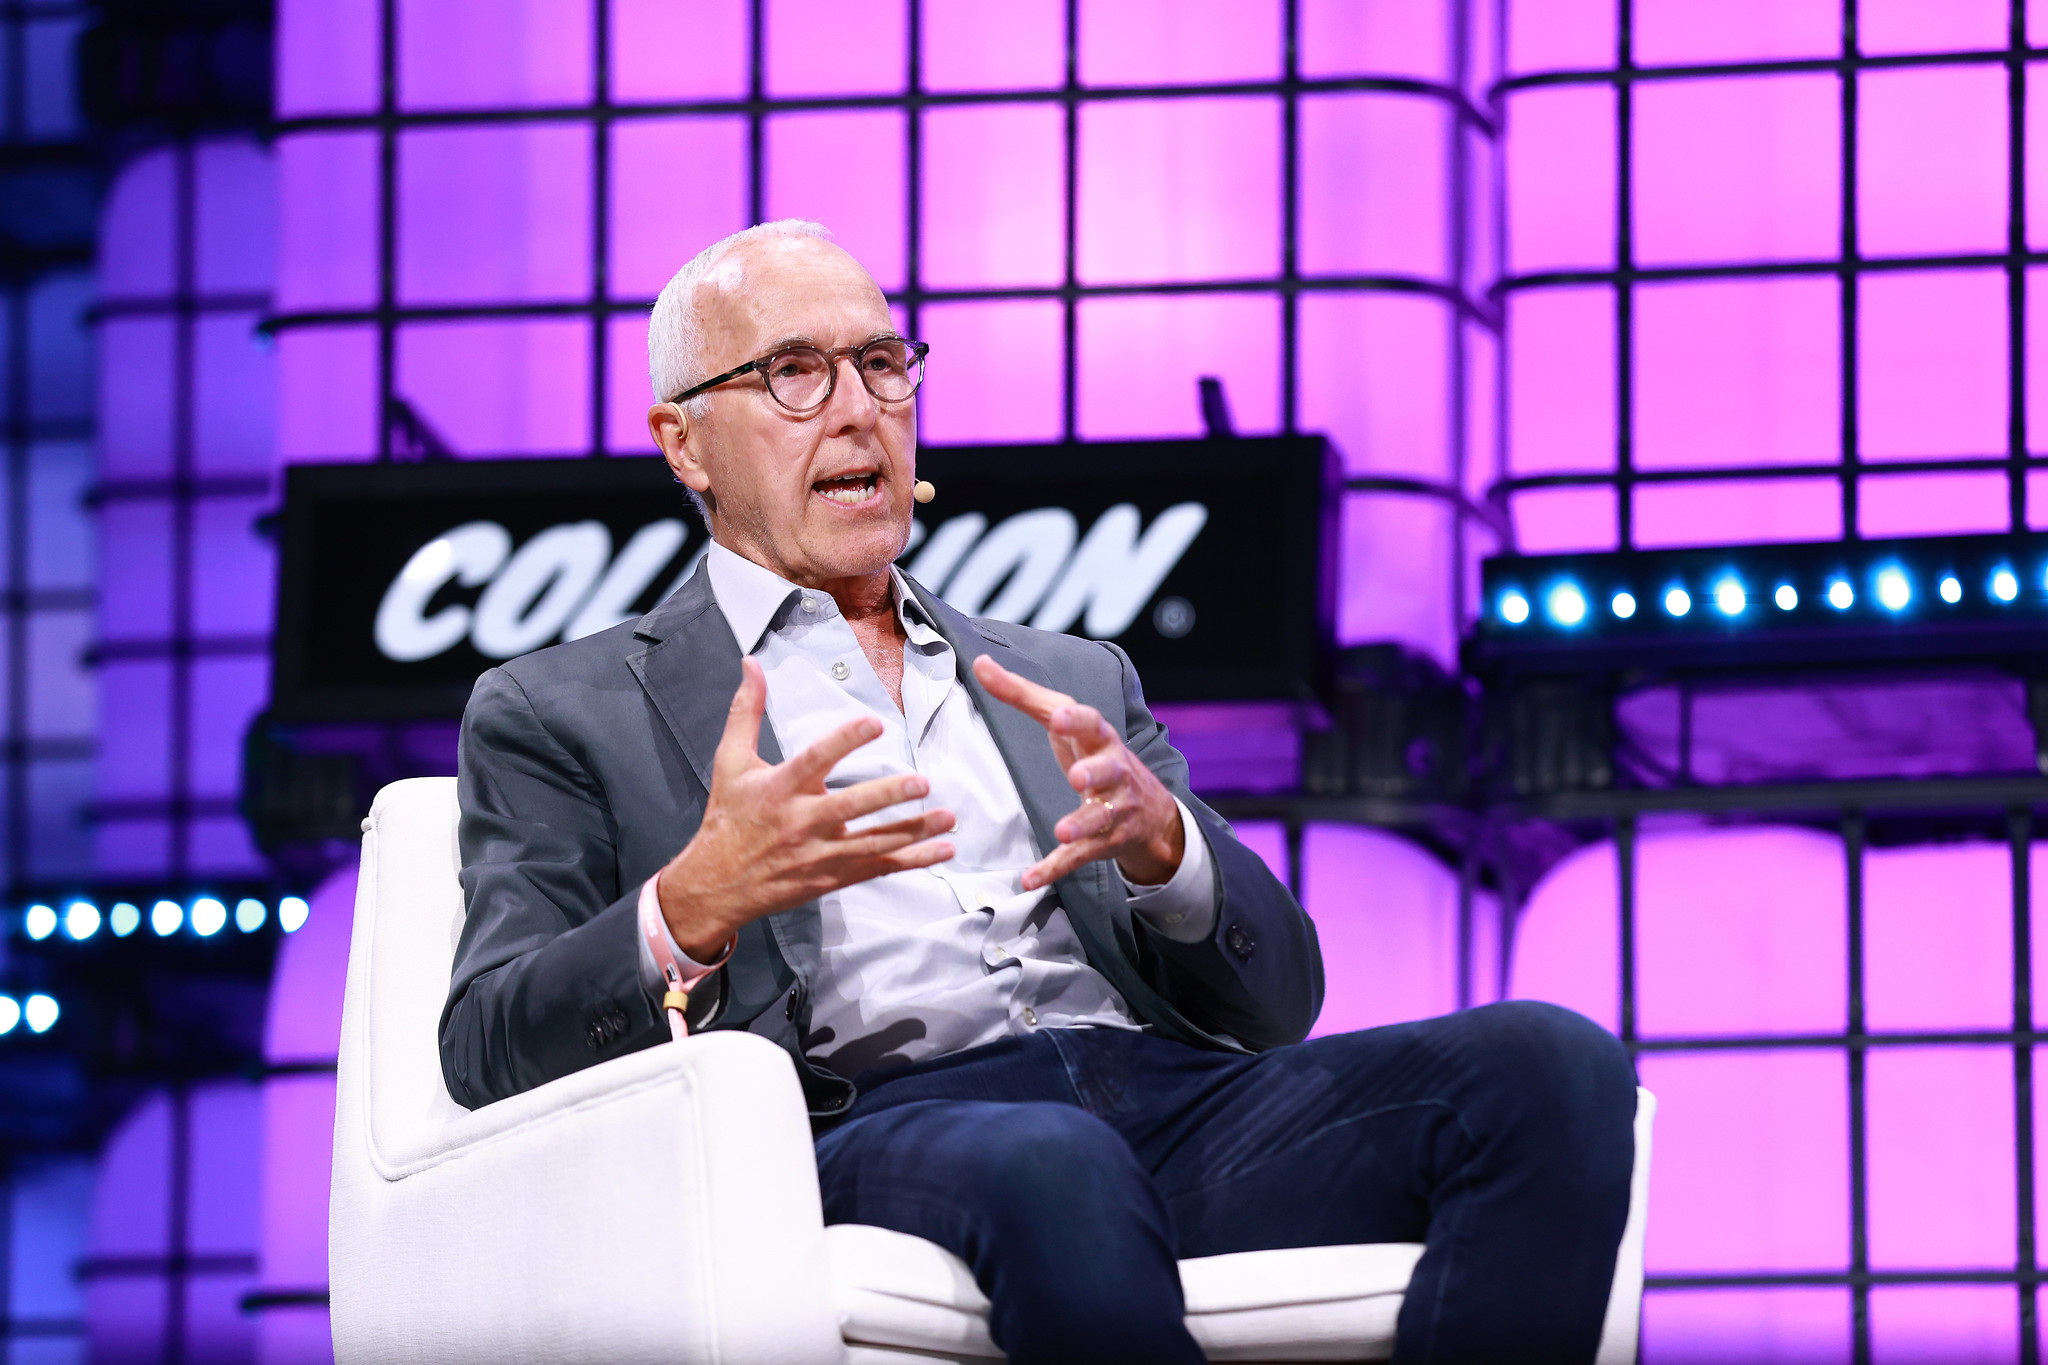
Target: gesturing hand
{"type": "Point", "coordinates": [1126, 813]}
{"type": "Point", "coordinates": [773, 837]}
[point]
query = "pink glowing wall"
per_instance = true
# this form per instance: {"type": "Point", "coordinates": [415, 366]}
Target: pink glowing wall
{"type": "Point", "coordinates": [1745, 172]}
{"type": "Point", "coordinates": [1180, 193]}
{"type": "Point", "coordinates": [1750, 1172]}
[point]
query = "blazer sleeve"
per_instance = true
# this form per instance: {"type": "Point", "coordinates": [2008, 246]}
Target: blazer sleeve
{"type": "Point", "coordinates": [546, 977]}
{"type": "Point", "coordinates": [1258, 976]}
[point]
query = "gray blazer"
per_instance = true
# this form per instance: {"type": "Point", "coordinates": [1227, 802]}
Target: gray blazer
{"type": "Point", "coordinates": [585, 767]}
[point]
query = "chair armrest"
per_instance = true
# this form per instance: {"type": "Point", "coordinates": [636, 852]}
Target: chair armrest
{"type": "Point", "coordinates": [660, 1207]}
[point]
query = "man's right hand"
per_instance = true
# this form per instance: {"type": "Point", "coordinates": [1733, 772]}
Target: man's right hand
{"type": "Point", "coordinates": [773, 837]}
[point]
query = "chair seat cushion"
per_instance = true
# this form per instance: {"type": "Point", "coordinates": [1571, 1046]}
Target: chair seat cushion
{"type": "Point", "coordinates": [1299, 1304]}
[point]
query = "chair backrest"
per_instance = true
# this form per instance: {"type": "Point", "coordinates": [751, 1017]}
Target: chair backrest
{"type": "Point", "coordinates": [408, 916]}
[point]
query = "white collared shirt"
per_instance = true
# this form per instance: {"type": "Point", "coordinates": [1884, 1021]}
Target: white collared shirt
{"type": "Point", "coordinates": [921, 963]}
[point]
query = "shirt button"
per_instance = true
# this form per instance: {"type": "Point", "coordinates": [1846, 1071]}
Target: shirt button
{"type": "Point", "coordinates": [1002, 953]}
{"type": "Point", "coordinates": [841, 671]}
{"type": "Point", "coordinates": [1031, 1016]}
{"type": "Point", "coordinates": [1175, 918]}
{"type": "Point", "coordinates": [809, 603]}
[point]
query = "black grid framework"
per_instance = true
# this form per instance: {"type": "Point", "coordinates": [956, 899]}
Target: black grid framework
{"type": "Point", "coordinates": [1472, 139]}
{"type": "Point", "coordinates": [33, 144]}
{"type": "Point", "coordinates": [1478, 299]}
{"type": "Point", "coordinates": [1849, 267]}
{"type": "Point", "coordinates": [34, 417]}
{"type": "Point", "coordinates": [2009, 809]}
{"type": "Point", "coordinates": [181, 490]}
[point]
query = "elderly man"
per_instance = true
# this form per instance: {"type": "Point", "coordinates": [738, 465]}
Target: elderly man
{"type": "Point", "coordinates": [1045, 1008]}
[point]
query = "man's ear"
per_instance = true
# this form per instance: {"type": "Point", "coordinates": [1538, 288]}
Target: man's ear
{"type": "Point", "coordinates": [679, 438]}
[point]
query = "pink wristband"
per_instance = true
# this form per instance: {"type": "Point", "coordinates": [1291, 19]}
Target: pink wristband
{"type": "Point", "coordinates": [678, 979]}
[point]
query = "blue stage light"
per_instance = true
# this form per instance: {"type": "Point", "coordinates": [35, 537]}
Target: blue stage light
{"type": "Point", "coordinates": [40, 921]}
{"type": "Point", "coordinates": [40, 1011]}
{"type": "Point", "coordinates": [2005, 585]}
{"type": "Point", "coordinates": [292, 912]}
{"type": "Point", "coordinates": [81, 919]}
{"type": "Point", "coordinates": [166, 917]}
{"type": "Point", "coordinates": [249, 915]}
{"type": "Point", "coordinates": [208, 916]}
{"type": "Point", "coordinates": [1624, 605]}
{"type": "Point", "coordinates": [124, 919]}
{"type": "Point", "coordinates": [1893, 589]}
{"type": "Point", "coordinates": [1787, 597]}
{"type": "Point", "coordinates": [1840, 595]}
{"type": "Point", "coordinates": [1951, 589]}
{"type": "Point", "coordinates": [1678, 601]}
{"type": "Point", "coordinates": [1567, 604]}
{"type": "Point", "coordinates": [1514, 608]}
{"type": "Point", "coordinates": [10, 1013]}
{"type": "Point", "coordinates": [1729, 597]}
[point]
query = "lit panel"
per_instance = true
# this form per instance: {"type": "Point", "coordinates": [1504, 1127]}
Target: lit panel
{"type": "Point", "coordinates": [1675, 32]}
{"type": "Point", "coordinates": [1909, 504]}
{"type": "Point", "coordinates": [1718, 511]}
{"type": "Point", "coordinates": [1393, 219]}
{"type": "Point", "coordinates": [1908, 26]}
{"type": "Point", "coordinates": [994, 198]}
{"type": "Point", "coordinates": [1931, 160]}
{"type": "Point", "coordinates": [1140, 358]}
{"type": "Point", "coordinates": [1012, 392]}
{"type": "Point", "coordinates": [1179, 190]}
{"type": "Point", "coordinates": [677, 186]}
{"type": "Point", "coordinates": [1546, 35]}
{"type": "Point", "coordinates": [524, 188]}
{"type": "Point", "coordinates": [519, 387]}
{"type": "Point", "coordinates": [1737, 170]}
{"type": "Point", "coordinates": [1389, 957]}
{"type": "Point", "coordinates": [1020, 44]}
{"type": "Point", "coordinates": [649, 38]}
{"type": "Point", "coordinates": [1375, 378]}
{"type": "Point", "coordinates": [1738, 372]}
{"type": "Point", "coordinates": [1798, 1326]}
{"type": "Point", "coordinates": [1722, 950]}
{"type": "Point", "coordinates": [845, 170]}
{"type": "Point", "coordinates": [1934, 361]}
{"type": "Point", "coordinates": [1158, 42]}
{"type": "Point", "coordinates": [1941, 1168]}
{"type": "Point", "coordinates": [328, 57]}
{"type": "Point", "coordinates": [1748, 1174]}
{"type": "Point", "coordinates": [1560, 176]}
{"type": "Point", "coordinates": [825, 47]}
{"type": "Point", "coordinates": [463, 54]}
{"type": "Point", "coordinates": [1561, 400]}
{"type": "Point", "coordinates": [1386, 38]}
{"type": "Point", "coordinates": [327, 393]}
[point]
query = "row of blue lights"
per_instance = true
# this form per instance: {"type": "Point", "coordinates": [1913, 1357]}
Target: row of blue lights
{"type": "Point", "coordinates": [207, 915]}
{"type": "Point", "coordinates": [39, 1012]}
{"type": "Point", "coordinates": [1566, 604]}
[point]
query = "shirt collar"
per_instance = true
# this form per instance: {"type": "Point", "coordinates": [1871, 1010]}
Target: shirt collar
{"type": "Point", "coordinates": [751, 597]}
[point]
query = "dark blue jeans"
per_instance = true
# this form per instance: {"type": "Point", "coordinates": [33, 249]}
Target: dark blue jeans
{"type": "Point", "coordinates": [1071, 1168]}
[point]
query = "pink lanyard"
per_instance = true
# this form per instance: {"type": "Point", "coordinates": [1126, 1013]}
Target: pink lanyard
{"type": "Point", "coordinates": [675, 999]}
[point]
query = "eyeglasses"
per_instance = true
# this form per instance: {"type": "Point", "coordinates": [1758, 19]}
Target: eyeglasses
{"type": "Point", "coordinates": [801, 378]}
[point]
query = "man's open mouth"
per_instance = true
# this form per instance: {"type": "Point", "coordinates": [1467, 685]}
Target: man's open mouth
{"type": "Point", "coordinates": [848, 490]}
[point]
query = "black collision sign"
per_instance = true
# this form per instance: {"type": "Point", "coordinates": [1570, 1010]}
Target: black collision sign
{"type": "Point", "coordinates": [1204, 560]}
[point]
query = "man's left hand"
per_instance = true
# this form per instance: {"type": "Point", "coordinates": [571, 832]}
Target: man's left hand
{"type": "Point", "coordinates": [1126, 813]}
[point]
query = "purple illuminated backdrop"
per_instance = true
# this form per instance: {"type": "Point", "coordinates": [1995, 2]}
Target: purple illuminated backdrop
{"type": "Point", "coordinates": [552, 233]}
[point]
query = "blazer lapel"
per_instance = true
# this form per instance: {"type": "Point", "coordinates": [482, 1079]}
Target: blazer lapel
{"type": "Point", "coordinates": [690, 669]}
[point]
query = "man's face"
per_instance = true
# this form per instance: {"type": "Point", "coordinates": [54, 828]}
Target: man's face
{"type": "Point", "coordinates": [818, 497]}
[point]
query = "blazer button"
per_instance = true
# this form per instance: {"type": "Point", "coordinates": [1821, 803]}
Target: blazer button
{"type": "Point", "coordinates": [1239, 940]}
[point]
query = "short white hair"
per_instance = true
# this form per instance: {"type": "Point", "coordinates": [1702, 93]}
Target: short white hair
{"type": "Point", "coordinates": [675, 332]}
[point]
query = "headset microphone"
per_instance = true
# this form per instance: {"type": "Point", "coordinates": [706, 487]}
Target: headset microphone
{"type": "Point", "coordinates": [923, 491]}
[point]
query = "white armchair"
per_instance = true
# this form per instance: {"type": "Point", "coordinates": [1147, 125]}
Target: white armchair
{"type": "Point", "coordinates": [576, 1222]}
